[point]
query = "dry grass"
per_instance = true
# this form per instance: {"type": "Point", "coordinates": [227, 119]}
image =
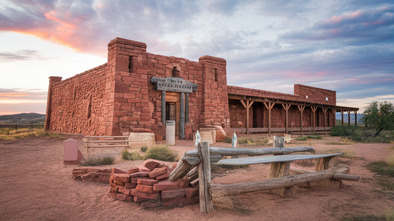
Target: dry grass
{"type": "Point", "coordinates": [12, 134]}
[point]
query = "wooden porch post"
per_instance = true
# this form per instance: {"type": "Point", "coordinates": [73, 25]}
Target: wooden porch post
{"type": "Point", "coordinates": [355, 118]}
{"type": "Point", "coordinates": [325, 117]}
{"type": "Point", "coordinates": [334, 111]}
{"type": "Point", "coordinates": [286, 107]}
{"type": "Point", "coordinates": [301, 108]}
{"type": "Point", "coordinates": [314, 108]}
{"type": "Point", "coordinates": [247, 106]}
{"type": "Point", "coordinates": [342, 117]}
{"type": "Point", "coordinates": [204, 176]}
{"type": "Point", "coordinates": [269, 107]}
{"type": "Point", "coordinates": [348, 118]}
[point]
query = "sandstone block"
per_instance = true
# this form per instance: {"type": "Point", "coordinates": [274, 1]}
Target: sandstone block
{"type": "Point", "coordinates": [114, 170]}
{"type": "Point", "coordinates": [163, 177]}
{"type": "Point", "coordinates": [151, 196]}
{"type": "Point", "coordinates": [130, 185]}
{"type": "Point", "coordinates": [144, 188]}
{"type": "Point", "coordinates": [139, 174]}
{"type": "Point", "coordinates": [157, 172]}
{"type": "Point", "coordinates": [133, 170]}
{"type": "Point", "coordinates": [122, 177]}
{"type": "Point", "coordinates": [191, 192]}
{"type": "Point", "coordinates": [166, 185]}
{"type": "Point", "coordinates": [148, 182]}
{"type": "Point", "coordinates": [165, 194]}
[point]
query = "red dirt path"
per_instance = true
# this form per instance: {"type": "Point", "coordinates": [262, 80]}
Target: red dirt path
{"type": "Point", "coordinates": [35, 185]}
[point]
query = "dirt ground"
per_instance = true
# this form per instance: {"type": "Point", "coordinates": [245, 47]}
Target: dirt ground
{"type": "Point", "coordinates": [36, 185]}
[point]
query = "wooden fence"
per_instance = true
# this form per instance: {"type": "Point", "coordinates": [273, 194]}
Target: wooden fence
{"type": "Point", "coordinates": [278, 181]}
{"type": "Point", "coordinates": [19, 126]}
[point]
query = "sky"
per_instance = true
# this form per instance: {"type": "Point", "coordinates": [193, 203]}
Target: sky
{"type": "Point", "coordinates": [346, 46]}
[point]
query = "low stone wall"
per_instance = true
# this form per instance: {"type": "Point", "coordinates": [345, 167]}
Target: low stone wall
{"type": "Point", "coordinates": [147, 184]}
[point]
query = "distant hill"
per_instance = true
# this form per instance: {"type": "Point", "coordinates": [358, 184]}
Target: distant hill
{"type": "Point", "coordinates": [25, 118]}
{"type": "Point", "coordinates": [352, 117]}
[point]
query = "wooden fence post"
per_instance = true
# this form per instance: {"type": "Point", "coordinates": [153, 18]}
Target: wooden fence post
{"type": "Point", "coordinates": [204, 176]}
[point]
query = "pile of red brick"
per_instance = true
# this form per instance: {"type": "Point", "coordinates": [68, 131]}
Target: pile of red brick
{"type": "Point", "coordinates": [149, 185]}
{"type": "Point", "coordinates": [92, 174]}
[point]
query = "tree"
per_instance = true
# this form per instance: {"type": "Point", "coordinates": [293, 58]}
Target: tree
{"type": "Point", "coordinates": [379, 116]}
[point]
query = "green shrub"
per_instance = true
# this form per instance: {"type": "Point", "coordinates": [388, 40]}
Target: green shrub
{"type": "Point", "coordinates": [144, 148]}
{"type": "Point", "coordinates": [362, 134]}
{"type": "Point", "coordinates": [381, 168]}
{"type": "Point", "coordinates": [98, 162]}
{"type": "Point", "coordinates": [252, 140]}
{"type": "Point", "coordinates": [301, 139]}
{"type": "Point", "coordinates": [161, 153]}
{"type": "Point", "coordinates": [126, 155]}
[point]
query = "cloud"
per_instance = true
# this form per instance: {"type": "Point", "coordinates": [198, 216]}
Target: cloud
{"type": "Point", "coordinates": [21, 55]}
{"type": "Point", "coordinates": [8, 96]}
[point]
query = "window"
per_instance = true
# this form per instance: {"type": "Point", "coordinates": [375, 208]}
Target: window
{"type": "Point", "coordinates": [175, 72]}
{"type": "Point", "coordinates": [306, 96]}
{"type": "Point", "coordinates": [130, 64]}
{"type": "Point", "coordinates": [216, 74]}
{"type": "Point", "coordinates": [326, 98]}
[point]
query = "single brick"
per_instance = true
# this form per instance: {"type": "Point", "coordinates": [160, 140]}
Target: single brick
{"type": "Point", "coordinates": [143, 169]}
{"type": "Point", "coordinates": [148, 182]}
{"type": "Point", "coordinates": [130, 185]}
{"type": "Point", "coordinates": [144, 188]}
{"type": "Point", "coordinates": [122, 177]}
{"type": "Point", "coordinates": [166, 185]}
{"type": "Point", "coordinates": [151, 196]}
{"type": "Point", "coordinates": [127, 192]}
{"type": "Point", "coordinates": [151, 164]}
{"type": "Point", "coordinates": [191, 192]}
{"type": "Point", "coordinates": [133, 170]}
{"type": "Point", "coordinates": [165, 194]}
{"type": "Point", "coordinates": [120, 183]}
{"type": "Point", "coordinates": [157, 172]}
{"type": "Point", "coordinates": [163, 177]}
{"type": "Point", "coordinates": [139, 174]}
{"type": "Point", "coordinates": [135, 179]}
{"type": "Point", "coordinates": [140, 199]}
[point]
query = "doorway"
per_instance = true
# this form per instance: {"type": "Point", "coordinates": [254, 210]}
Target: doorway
{"type": "Point", "coordinates": [170, 111]}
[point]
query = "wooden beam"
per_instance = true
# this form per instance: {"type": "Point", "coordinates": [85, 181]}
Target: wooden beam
{"type": "Point", "coordinates": [243, 103]}
{"type": "Point", "coordinates": [301, 108]}
{"type": "Point", "coordinates": [222, 151]}
{"type": "Point", "coordinates": [342, 117]}
{"type": "Point", "coordinates": [313, 108]}
{"type": "Point", "coordinates": [348, 118]}
{"type": "Point", "coordinates": [182, 168]}
{"type": "Point", "coordinates": [355, 118]}
{"type": "Point", "coordinates": [286, 107]}
{"type": "Point", "coordinates": [334, 111]}
{"type": "Point", "coordinates": [325, 117]}
{"type": "Point", "coordinates": [269, 107]}
{"type": "Point", "coordinates": [219, 190]}
{"type": "Point", "coordinates": [204, 176]}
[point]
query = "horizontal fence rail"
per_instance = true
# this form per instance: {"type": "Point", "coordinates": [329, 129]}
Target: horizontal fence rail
{"type": "Point", "coordinates": [19, 126]}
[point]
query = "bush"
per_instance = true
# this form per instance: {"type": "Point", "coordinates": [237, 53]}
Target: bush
{"type": "Point", "coordinates": [161, 153]}
{"type": "Point", "coordinates": [144, 148]}
{"type": "Point", "coordinates": [252, 140]}
{"type": "Point", "coordinates": [362, 134]}
{"type": "Point", "coordinates": [126, 155]}
{"type": "Point", "coordinates": [98, 162]}
{"type": "Point", "coordinates": [228, 140]}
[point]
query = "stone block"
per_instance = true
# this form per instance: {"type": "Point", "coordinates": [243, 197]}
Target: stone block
{"type": "Point", "coordinates": [139, 139]}
{"type": "Point", "coordinates": [163, 176]}
{"type": "Point", "coordinates": [139, 174]}
{"type": "Point", "coordinates": [166, 185]}
{"type": "Point", "coordinates": [191, 192]}
{"type": "Point", "coordinates": [147, 182]}
{"type": "Point", "coordinates": [157, 172]}
{"type": "Point", "coordinates": [130, 185]}
{"type": "Point", "coordinates": [165, 194]}
{"type": "Point", "coordinates": [150, 204]}
{"type": "Point", "coordinates": [123, 177]}
{"type": "Point", "coordinates": [152, 196]}
{"type": "Point", "coordinates": [133, 170]}
{"type": "Point", "coordinates": [145, 188]}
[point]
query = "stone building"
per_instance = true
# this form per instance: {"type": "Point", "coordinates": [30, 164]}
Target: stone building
{"type": "Point", "coordinates": [137, 91]}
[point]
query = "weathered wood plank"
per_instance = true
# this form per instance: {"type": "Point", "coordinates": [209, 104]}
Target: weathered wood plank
{"type": "Point", "coordinates": [180, 170]}
{"type": "Point", "coordinates": [250, 151]}
{"type": "Point", "coordinates": [341, 176]}
{"type": "Point", "coordinates": [204, 171]}
{"type": "Point", "coordinates": [218, 190]}
{"type": "Point", "coordinates": [272, 159]}
{"type": "Point", "coordinates": [196, 160]}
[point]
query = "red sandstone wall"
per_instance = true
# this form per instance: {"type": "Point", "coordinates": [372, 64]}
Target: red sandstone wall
{"type": "Point", "coordinates": [80, 104]}
{"type": "Point", "coordinates": [315, 95]}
